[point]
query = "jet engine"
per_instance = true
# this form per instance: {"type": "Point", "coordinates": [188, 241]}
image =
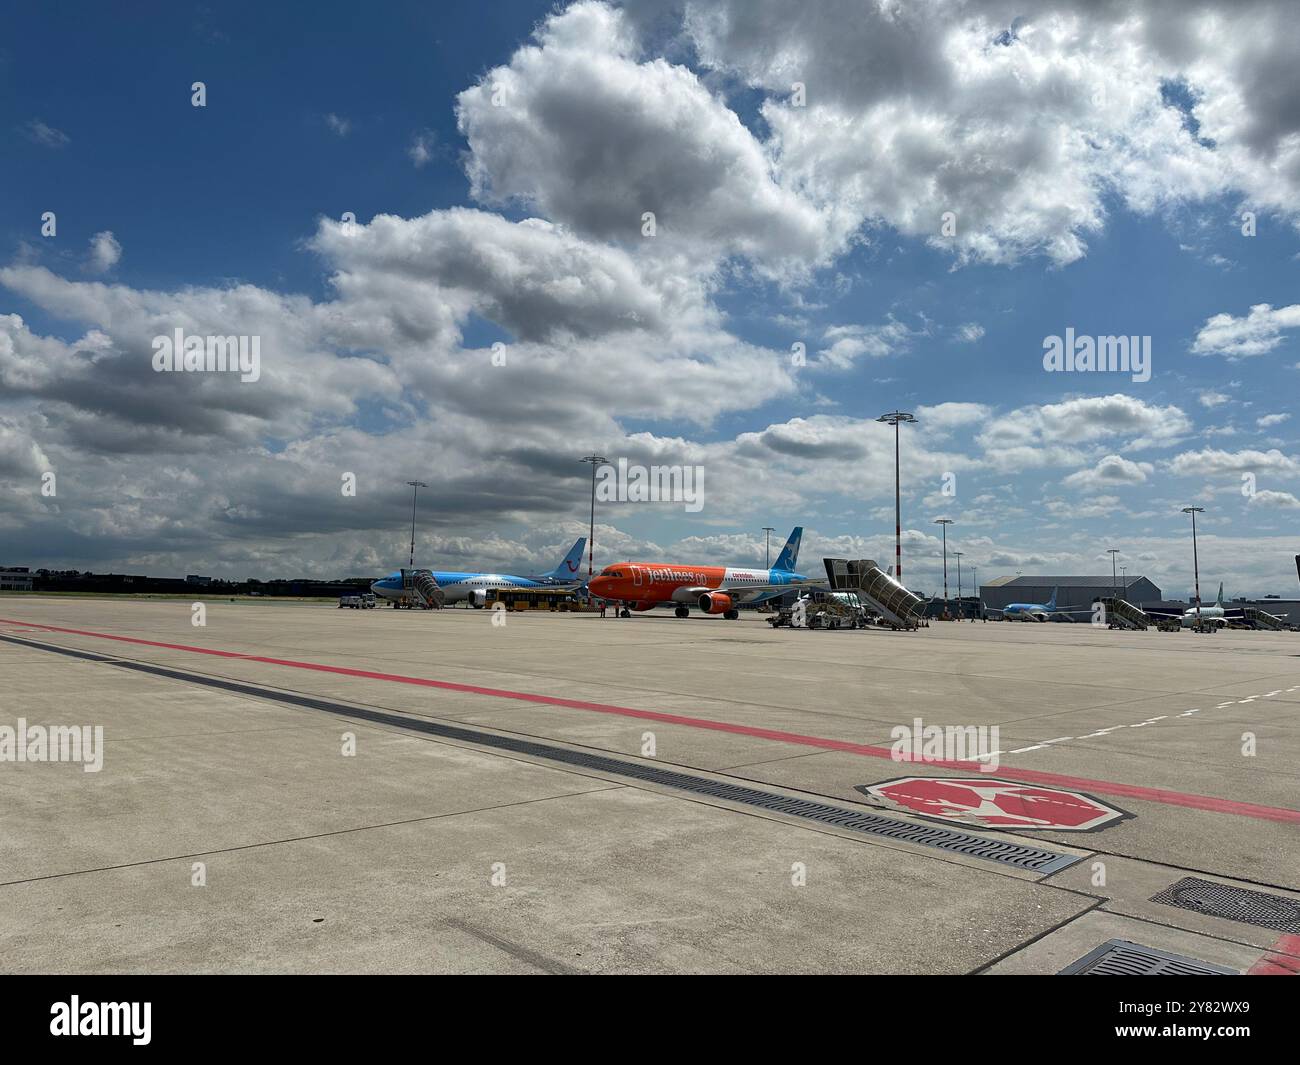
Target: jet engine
{"type": "Point", "coordinates": [715, 603]}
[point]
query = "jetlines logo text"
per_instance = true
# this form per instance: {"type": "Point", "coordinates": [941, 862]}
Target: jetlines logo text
{"type": "Point", "coordinates": [675, 576]}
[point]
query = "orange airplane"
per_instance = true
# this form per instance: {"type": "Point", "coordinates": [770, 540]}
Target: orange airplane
{"type": "Point", "coordinates": [713, 589]}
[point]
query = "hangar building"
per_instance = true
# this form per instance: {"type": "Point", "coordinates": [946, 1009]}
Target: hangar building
{"type": "Point", "coordinates": [1071, 591]}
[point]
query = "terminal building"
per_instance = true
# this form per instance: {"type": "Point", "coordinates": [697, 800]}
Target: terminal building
{"type": "Point", "coordinates": [15, 579]}
{"type": "Point", "coordinates": [1071, 592]}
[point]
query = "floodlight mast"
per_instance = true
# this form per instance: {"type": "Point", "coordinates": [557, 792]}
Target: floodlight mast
{"type": "Point", "coordinates": [415, 492]}
{"type": "Point", "coordinates": [896, 418]}
{"type": "Point", "coordinates": [596, 461]}
{"type": "Point", "coordinates": [1196, 565]}
{"type": "Point", "coordinates": [945, 522]}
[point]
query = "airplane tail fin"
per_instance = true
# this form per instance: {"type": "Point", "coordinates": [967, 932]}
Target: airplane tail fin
{"type": "Point", "coordinates": [1051, 603]}
{"type": "Point", "coordinates": [1219, 601]}
{"type": "Point", "coordinates": [788, 559]}
{"type": "Point", "coordinates": [571, 565]}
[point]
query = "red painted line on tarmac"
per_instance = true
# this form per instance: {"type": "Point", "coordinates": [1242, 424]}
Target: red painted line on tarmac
{"type": "Point", "coordinates": [1284, 961]}
{"type": "Point", "coordinates": [1031, 776]}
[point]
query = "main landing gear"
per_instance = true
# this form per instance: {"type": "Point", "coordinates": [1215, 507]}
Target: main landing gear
{"type": "Point", "coordinates": [685, 612]}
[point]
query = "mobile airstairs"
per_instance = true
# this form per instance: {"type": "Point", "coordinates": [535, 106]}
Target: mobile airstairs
{"type": "Point", "coordinates": [423, 588]}
{"type": "Point", "coordinates": [1261, 619]}
{"type": "Point", "coordinates": [900, 608]}
{"type": "Point", "coordinates": [1121, 614]}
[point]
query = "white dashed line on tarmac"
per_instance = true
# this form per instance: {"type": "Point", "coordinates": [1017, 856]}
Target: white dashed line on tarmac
{"type": "Point", "coordinates": [1143, 724]}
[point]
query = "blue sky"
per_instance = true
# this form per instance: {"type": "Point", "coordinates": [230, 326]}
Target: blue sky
{"type": "Point", "coordinates": [1107, 212]}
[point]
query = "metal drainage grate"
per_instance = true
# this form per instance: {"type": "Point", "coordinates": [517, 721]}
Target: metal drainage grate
{"type": "Point", "coordinates": [1119, 957]}
{"type": "Point", "coordinates": [1034, 859]}
{"type": "Point", "coordinates": [1234, 903]}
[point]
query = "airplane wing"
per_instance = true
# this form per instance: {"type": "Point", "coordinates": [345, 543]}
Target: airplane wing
{"type": "Point", "coordinates": [1162, 612]}
{"type": "Point", "coordinates": [741, 592]}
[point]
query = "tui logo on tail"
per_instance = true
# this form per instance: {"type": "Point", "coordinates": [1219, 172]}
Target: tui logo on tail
{"type": "Point", "coordinates": [571, 563]}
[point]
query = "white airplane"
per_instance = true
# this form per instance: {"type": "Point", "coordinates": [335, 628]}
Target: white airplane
{"type": "Point", "coordinates": [1215, 616]}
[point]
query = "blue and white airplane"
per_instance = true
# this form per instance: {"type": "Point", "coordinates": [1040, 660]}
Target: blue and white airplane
{"type": "Point", "coordinates": [458, 587]}
{"type": "Point", "coordinates": [1027, 611]}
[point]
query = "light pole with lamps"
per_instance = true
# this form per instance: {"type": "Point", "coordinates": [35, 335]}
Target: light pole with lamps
{"type": "Point", "coordinates": [944, 522]}
{"type": "Point", "coordinates": [1196, 566]}
{"type": "Point", "coordinates": [961, 612]}
{"type": "Point", "coordinates": [415, 492]}
{"type": "Point", "coordinates": [895, 418]}
{"type": "Point", "coordinates": [595, 460]}
{"type": "Point", "coordinates": [1114, 589]}
{"type": "Point", "coordinates": [769, 530]}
